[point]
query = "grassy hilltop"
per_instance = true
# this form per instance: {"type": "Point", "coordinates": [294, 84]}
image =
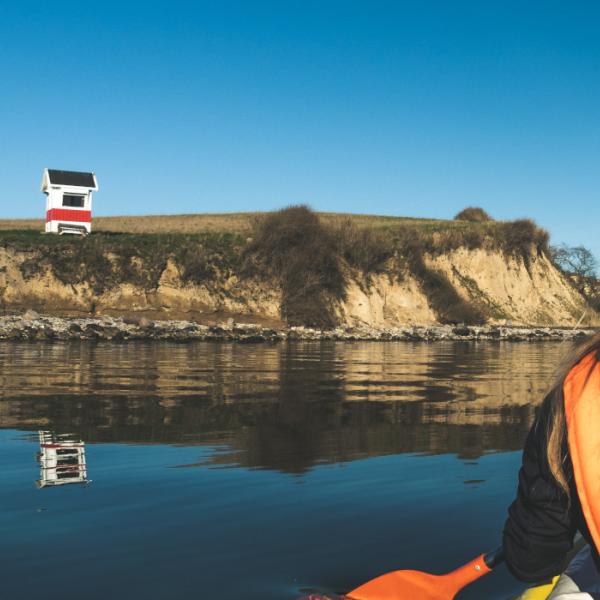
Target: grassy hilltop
{"type": "Point", "coordinates": [237, 223]}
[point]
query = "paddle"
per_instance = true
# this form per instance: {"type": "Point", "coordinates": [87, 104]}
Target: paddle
{"type": "Point", "coordinates": [417, 585]}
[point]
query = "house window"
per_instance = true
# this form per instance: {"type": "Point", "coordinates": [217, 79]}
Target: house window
{"type": "Point", "coordinates": [73, 200]}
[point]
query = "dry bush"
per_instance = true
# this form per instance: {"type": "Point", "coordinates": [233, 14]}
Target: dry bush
{"type": "Point", "coordinates": [518, 238]}
{"type": "Point", "coordinates": [292, 245]}
{"type": "Point", "coordinates": [521, 238]}
{"type": "Point", "coordinates": [202, 258]}
{"type": "Point", "coordinates": [364, 248]}
{"type": "Point", "coordinates": [474, 214]}
{"type": "Point", "coordinates": [195, 265]}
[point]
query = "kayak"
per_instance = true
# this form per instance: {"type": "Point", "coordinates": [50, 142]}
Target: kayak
{"type": "Point", "coordinates": [539, 592]}
{"type": "Point", "coordinates": [542, 591]}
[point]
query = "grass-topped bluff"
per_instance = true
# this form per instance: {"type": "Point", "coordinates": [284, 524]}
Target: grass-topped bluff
{"type": "Point", "coordinates": [293, 266]}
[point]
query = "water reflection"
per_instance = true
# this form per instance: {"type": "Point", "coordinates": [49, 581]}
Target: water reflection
{"type": "Point", "coordinates": [279, 410]}
{"type": "Point", "coordinates": [285, 407]}
{"type": "Point", "coordinates": [61, 459]}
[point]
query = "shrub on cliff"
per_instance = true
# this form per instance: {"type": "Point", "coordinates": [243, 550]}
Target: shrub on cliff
{"type": "Point", "coordinates": [203, 258]}
{"type": "Point", "coordinates": [475, 214]}
{"type": "Point", "coordinates": [296, 248]}
{"type": "Point", "coordinates": [519, 238]}
{"type": "Point", "coordinates": [364, 248]}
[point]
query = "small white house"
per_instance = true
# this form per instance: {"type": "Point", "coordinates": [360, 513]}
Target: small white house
{"type": "Point", "coordinates": [62, 460]}
{"type": "Point", "coordinates": [68, 201]}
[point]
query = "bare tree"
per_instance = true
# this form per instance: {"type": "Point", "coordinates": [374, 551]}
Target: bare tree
{"type": "Point", "coordinates": [580, 263]}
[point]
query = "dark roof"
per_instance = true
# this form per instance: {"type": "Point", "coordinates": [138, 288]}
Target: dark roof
{"type": "Point", "coordinates": [72, 178]}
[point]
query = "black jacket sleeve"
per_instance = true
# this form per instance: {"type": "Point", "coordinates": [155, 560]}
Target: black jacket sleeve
{"type": "Point", "coordinates": [540, 527]}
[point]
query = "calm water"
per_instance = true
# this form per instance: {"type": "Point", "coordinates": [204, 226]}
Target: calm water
{"type": "Point", "coordinates": [259, 472]}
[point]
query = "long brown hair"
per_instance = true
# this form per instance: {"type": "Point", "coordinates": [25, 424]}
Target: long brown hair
{"type": "Point", "coordinates": [557, 426]}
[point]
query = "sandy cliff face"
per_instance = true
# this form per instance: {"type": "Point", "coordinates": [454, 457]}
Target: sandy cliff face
{"type": "Point", "coordinates": [386, 302]}
{"type": "Point", "coordinates": [535, 293]}
{"type": "Point", "coordinates": [507, 289]}
{"type": "Point", "coordinates": [172, 298]}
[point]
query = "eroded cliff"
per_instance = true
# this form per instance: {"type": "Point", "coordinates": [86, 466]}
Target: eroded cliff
{"type": "Point", "coordinates": [208, 281]}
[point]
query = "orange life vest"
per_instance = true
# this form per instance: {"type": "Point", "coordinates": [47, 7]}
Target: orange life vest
{"type": "Point", "coordinates": [582, 410]}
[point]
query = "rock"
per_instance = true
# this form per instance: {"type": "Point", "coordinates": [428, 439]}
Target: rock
{"type": "Point", "coordinates": [138, 321]}
{"type": "Point", "coordinates": [145, 323]}
{"type": "Point", "coordinates": [216, 330]}
{"type": "Point", "coordinates": [251, 339]}
{"type": "Point", "coordinates": [463, 331]}
{"type": "Point", "coordinates": [31, 326]}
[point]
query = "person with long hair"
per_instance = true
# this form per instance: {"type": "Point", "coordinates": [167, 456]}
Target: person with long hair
{"type": "Point", "coordinates": [559, 485]}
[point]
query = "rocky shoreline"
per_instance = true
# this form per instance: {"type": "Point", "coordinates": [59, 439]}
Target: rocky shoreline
{"type": "Point", "coordinates": [32, 326]}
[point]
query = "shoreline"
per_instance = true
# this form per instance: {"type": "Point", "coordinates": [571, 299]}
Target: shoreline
{"type": "Point", "coordinates": [35, 327]}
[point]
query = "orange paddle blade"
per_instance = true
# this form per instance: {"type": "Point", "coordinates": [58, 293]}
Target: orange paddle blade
{"type": "Point", "coordinates": [416, 585]}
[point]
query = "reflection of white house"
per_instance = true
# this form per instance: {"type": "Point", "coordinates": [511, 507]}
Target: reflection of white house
{"type": "Point", "coordinates": [68, 200]}
{"type": "Point", "coordinates": [62, 460]}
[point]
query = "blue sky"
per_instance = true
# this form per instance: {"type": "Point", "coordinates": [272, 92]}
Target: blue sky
{"type": "Point", "coordinates": [404, 108]}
